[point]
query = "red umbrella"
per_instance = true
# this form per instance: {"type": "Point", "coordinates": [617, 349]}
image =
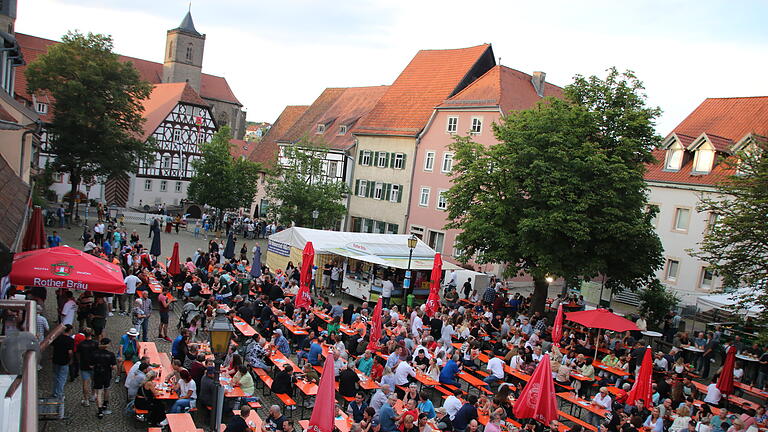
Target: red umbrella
{"type": "Point", "coordinates": [373, 343]}
{"type": "Point", "coordinates": [303, 298]}
{"type": "Point", "coordinates": [537, 400]}
{"type": "Point", "coordinates": [433, 302]}
{"type": "Point", "coordinates": [34, 237]}
{"type": "Point", "coordinates": [173, 266]}
{"type": "Point", "coordinates": [643, 387]}
{"type": "Point", "coordinates": [324, 411]}
{"type": "Point", "coordinates": [66, 267]}
{"type": "Point", "coordinates": [725, 382]}
{"type": "Point", "coordinates": [602, 319]}
{"type": "Point", "coordinates": [557, 328]}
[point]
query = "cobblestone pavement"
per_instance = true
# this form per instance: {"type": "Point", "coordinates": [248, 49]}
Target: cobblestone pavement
{"type": "Point", "coordinates": [83, 418]}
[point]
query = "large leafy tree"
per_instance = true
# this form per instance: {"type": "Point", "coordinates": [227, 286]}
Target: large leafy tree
{"type": "Point", "coordinates": [221, 181]}
{"type": "Point", "coordinates": [97, 125]}
{"type": "Point", "coordinates": [302, 186]}
{"type": "Point", "coordinates": [562, 193]}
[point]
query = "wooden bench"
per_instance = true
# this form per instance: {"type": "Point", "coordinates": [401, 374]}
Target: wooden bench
{"type": "Point", "coordinates": [577, 421]}
{"type": "Point", "coordinates": [287, 401]}
{"type": "Point", "coordinates": [267, 380]}
{"type": "Point", "coordinates": [254, 404]}
{"type": "Point", "coordinates": [564, 386]}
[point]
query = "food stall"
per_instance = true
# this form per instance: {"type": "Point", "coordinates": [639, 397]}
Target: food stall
{"type": "Point", "coordinates": [365, 259]}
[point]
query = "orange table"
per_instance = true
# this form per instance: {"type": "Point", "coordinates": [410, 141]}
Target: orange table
{"type": "Point", "coordinates": [149, 349]}
{"type": "Point", "coordinates": [154, 285]}
{"type": "Point", "coordinates": [306, 387]}
{"type": "Point", "coordinates": [475, 382]}
{"type": "Point", "coordinates": [343, 423]}
{"type": "Point", "coordinates": [253, 420]}
{"type": "Point", "coordinates": [582, 403]}
{"type": "Point", "coordinates": [230, 391]}
{"type": "Point", "coordinates": [243, 327]}
{"type": "Point", "coordinates": [281, 360]}
{"type": "Point", "coordinates": [426, 379]}
{"type": "Point", "coordinates": [610, 369]}
{"type": "Point", "coordinates": [291, 326]}
{"type": "Point", "coordinates": [180, 422]}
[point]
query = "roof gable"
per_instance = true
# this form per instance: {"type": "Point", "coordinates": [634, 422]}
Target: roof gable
{"type": "Point", "coordinates": [430, 77]}
{"type": "Point", "coordinates": [265, 151]}
{"type": "Point", "coordinates": [305, 125]}
{"type": "Point", "coordinates": [163, 99]}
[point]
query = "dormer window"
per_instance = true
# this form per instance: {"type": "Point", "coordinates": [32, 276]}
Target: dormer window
{"type": "Point", "coordinates": [702, 162]}
{"type": "Point", "coordinates": [674, 158]}
{"type": "Point", "coordinates": [342, 129]}
{"type": "Point", "coordinates": [320, 128]}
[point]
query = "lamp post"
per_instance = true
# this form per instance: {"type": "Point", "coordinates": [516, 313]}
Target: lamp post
{"type": "Point", "coordinates": [220, 334]}
{"type": "Point", "coordinates": [315, 214]}
{"type": "Point", "coordinates": [412, 241]}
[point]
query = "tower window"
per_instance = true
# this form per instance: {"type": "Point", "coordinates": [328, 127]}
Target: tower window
{"type": "Point", "coordinates": [189, 52]}
{"type": "Point", "coordinates": [170, 49]}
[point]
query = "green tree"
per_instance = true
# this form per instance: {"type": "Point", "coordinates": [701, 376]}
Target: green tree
{"type": "Point", "coordinates": [221, 181]}
{"type": "Point", "coordinates": [560, 195]}
{"type": "Point", "coordinates": [97, 125]}
{"type": "Point", "coordinates": [655, 303]}
{"type": "Point", "coordinates": [295, 191]}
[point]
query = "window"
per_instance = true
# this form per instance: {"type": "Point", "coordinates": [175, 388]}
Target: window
{"type": "Point", "coordinates": [703, 161]}
{"type": "Point", "coordinates": [398, 161]}
{"type": "Point", "coordinates": [673, 269]}
{"type": "Point", "coordinates": [342, 129]}
{"type": "Point", "coordinates": [424, 197]}
{"type": "Point", "coordinates": [378, 191]}
{"type": "Point", "coordinates": [177, 135]}
{"type": "Point", "coordinates": [320, 128]}
{"type": "Point", "coordinates": [178, 187]}
{"type": "Point", "coordinates": [263, 208]}
{"type": "Point", "coordinates": [457, 251]}
{"type": "Point", "coordinates": [381, 159]}
{"type": "Point", "coordinates": [447, 162]}
{"type": "Point", "coordinates": [332, 168]}
{"type": "Point", "coordinates": [166, 163]}
{"type": "Point", "coordinates": [163, 185]}
{"type": "Point", "coordinates": [189, 53]}
{"type": "Point", "coordinates": [674, 159]}
{"type": "Point", "coordinates": [200, 137]}
{"type": "Point", "coordinates": [682, 219]}
{"type": "Point", "coordinates": [147, 185]}
{"type": "Point", "coordinates": [477, 125]}
{"type": "Point", "coordinates": [707, 278]}
{"type": "Point", "coordinates": [365, 158]}
{"type": "Point", "coordinates": [711, 222]}
{"type": "Point", "coordinates": [57, 177]}
{"type": "Point", "coordinates": [453, 125]}
{"type": "Point", "coordinates": [436, 240]}
{"type": "Point", "coordinates": [392, 228]}
{"type": "Point", "coordinates": [41, 108]}
{"type": "Point", "coordinates": [394, 195]}
{"type": "Point", "coordinates": [429, 160]}
{"type": "Point", "coordinates": [442, 203]}
{"type": "Point", "coordinates": [362, 188]}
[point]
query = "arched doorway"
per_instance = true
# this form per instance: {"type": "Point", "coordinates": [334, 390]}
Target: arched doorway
{"type": "Point", "coordinates": [194, 211]}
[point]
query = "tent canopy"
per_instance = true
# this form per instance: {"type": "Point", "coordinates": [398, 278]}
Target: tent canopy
{"type": "Point", "coordinates": [729, 300]}
{"type": "Point", "coordinates": [389, 250]}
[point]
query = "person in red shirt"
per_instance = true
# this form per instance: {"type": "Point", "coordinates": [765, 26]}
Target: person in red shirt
{"type": "Point", "coordinates": [377, 370]}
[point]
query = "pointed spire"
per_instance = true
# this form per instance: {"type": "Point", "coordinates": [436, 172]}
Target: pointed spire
{"type": "Point", "coordinates": [187, 25]}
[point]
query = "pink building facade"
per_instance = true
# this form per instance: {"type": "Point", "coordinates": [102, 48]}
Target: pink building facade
{"type": "Point", "coordinates": [473, 111]}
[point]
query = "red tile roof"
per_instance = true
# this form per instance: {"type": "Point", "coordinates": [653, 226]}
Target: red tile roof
{"type": "Point", "coordinates": [503, 86]}
{"type": "Point", "coordinates": [240, 148]}
{"type": "Point", "coordinates": [162, 100]}
{"type": "Point", "coordinates": [431, 77]}
{"type": "Point", "coordinates": [655, 172]}
{"type": "Point", "coordinates": [334, 108]}
{"type": "Point", "coordinates": [265, 151]}
{"type": "Point", "coordinates": [211, 87]}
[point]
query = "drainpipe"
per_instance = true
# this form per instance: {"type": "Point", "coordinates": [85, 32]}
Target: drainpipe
{"type": "Point", "coordinates": [38, 127]}
{"type": "Point", "coordinates": [413, 170]}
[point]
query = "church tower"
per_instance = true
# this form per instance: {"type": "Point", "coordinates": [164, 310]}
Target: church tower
{"type": "Point", "coordinates": [184, 54]}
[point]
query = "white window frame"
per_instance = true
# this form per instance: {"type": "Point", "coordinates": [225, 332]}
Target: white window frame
{"type": "Point", "coordinates": [698, 160]}
{"type": "Point", "coordinates": [447, 156]}
{"type": "Point", "coordinates": [176, 135]}
{"type": "Point", "coordinates": [147, 184]}
{"type": "Point", "coordinates": [667, 275]}
{"type": "Point", "coordinates": [703, 272]}
{"type": "Point", "coordinates": [41, 107]}
{"type": "Point", "coordinates": [424, 193]}
{"type": "Point", "coordinates": [668, 160]}
{"type": "Point", "coordinates": [394, 193]}
{"type": "Point", "coordinates": [676, 219]}
{"type": "Point", "coordinates": [429, 235]}
{"type": "Point", "coordinates": [200, 137]}
{"type": "Point", "coordinates": [429, 161]}
{"type": "Point", "coordinates": [399, 162]}
{"type": "Point", "coordinates": [178, 187]}
{"type": "Point", "coordinates": [342, 130]}
{"type": "Point", "coordinates": [367, 154]}
{"type": "Point", "coordinates": [163, 185]}
{"type": "Point", "coordinates": [320, 128]}
{"type": "Point", "coordinates": [57, 177]}
{"type": "Point", "coordinates": [165, 162]}
{"type": "Point", "coordinates": [378, 191]}
{"type": "Point", "coordinates": [381, 161]}
{"type": "Point", "coordinates": [476, 121]}
{"type": "Point", "coordinates": [712, 220]}
{"type": "Point", "coordinates": [441, 199]}
{"type": "Point", "coordinates": [362, 189]}
{"type": "Point", "coordinates": [333, 167]}
{"type": "Point", "coordinates": [452, 127]}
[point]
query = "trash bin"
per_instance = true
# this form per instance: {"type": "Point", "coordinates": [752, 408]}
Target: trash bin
{"type": "Point", "coordinates": [409, 300]}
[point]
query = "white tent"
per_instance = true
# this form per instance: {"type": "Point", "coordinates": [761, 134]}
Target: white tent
{"type": "Point", "coordinates": [727, 301]}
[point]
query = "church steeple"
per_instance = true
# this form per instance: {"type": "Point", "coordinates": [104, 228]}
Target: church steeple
{"type": "Point", "coordinates": [184, 47]}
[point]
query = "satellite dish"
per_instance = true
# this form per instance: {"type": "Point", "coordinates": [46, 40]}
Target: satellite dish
{"type": "Point", "coordinates": [12, 351]}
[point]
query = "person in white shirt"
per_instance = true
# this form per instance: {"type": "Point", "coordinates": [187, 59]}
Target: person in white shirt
{"type": "Point", "coordinates": [516, 362]}
{"type": "Point", "coordinates": [601, 400]}
{"type": "Point", "coordinates": [416, 324]}
{"type": "Point", "coordinates": [713, 394]}
{"type": "Point", "coordinates": [131, 281]}
{"type": "Point", "coordinates": [496, 369]}
{"type": "Point", "coordinates": [69, 310]}
{"type": "Point", "coordinates": [187, 393]}
{"type": "Point", "coordinates": [660, 362]}
{"type": "Point", "coordinates": [386, 292]}
{"type": "Point", "coordinates": [452, 405]}
{"type": "Point", "coordinates": [402, 372]}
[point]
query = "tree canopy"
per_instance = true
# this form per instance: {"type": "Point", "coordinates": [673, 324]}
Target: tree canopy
{"type": "Point", "coordinates": [97, 123]}
{"type": "Point", "coordinates": [298, 189]}
{"type": "Point", "coordinates": [220, 180]}
{"type": "Point", "coordinates": [562, 194]}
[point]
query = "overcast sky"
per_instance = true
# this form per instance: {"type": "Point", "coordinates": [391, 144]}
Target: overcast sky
{"type": "Point", "coordinates": [277, 53]}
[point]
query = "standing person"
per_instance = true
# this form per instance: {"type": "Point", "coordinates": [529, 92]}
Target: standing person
{"type": "Point", "coordinates": [327, 275]}
{"type": "Point", "coordinates": [61, 215]}
{"type": "Point", "coordinates": [154, 232]}
{"type": "Point", "coordinates": [165, 306]}
{"type": "Point", "coordinates": [63, 347]}
{"type": "Point", "coordinates": [85, 350]}
{"type": "Point", "coordinates": [54, 240]}
{"type": "Point", "coordinates": [131, 282]}
{"type": "Point", "coordinates": [98, 316]}
{"type": "Point", "coordinates": [146, 309]}
{"type": "Point", "coordinates": [386, 291]}
{"type": "Point", "coordinates": [104, 365]}
{"type": "Point", "coordinates": [335, 278]}
{"type": "Point", "coordinates": [69, 310]}
{"type": "Point", "coordinates": [467, 288]}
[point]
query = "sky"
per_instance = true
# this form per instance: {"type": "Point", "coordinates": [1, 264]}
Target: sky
{"type": "Point", "coordinates": [278, 53]}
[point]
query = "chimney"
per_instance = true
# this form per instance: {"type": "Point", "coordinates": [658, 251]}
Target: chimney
{"type": "Point", "coordinates": [538, 80]}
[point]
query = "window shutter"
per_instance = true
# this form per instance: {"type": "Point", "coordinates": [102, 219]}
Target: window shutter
{"type": "Point", "coordinates": [387, 192]}
{"type": "Point", "coordinates": [375, 161]}
{"type": "Point", "coordinates": [400, 195]}
{"type": "Point", "coordinates": [357, 186]}
{"type": "Point", "coordinates": [371, 187]}
{"type": "Point", "coordinates": [360, 157]}
{"type": "Point", "coordinates": [390, 160]}
{"type": "Point", "coordinates": [403, 167]}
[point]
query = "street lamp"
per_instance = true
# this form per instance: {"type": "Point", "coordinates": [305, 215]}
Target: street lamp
{"type": "Point", "coordinates": [412, 241]}
{"type": "Point", "coordinates": [315, 214]}
{"type": "Point", "coordinates": [219, 335]}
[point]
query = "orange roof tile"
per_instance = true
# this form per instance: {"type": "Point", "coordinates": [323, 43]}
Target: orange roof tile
{"type": "Point", "coordinates": [162, 100]}
{"type": "Point", "coordinates": [655, 172]}
{"type": "Point", "coordinates": [503, 86]}
{"type": "Point", "coordinates": [431, 77]}
{"type": "Point", "coordinates": [240, 148]}
{"type": "Point", "coordinates": [334, 109]}
{"type": "Point", "coordinates": [265, 151]}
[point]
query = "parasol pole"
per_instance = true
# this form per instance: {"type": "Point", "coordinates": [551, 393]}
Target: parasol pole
{"type": "Point", "coordinates": [597, 343]}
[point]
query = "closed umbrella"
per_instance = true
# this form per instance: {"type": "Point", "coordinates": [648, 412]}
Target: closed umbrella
{"type": "Point", "coordinates": [602, 319]}
{"type": "Point", "coordinates": [643, 387]}
{"type": "Point", "coordinates": [373, 340]}
{"type": "Point", "coordinates": [173, 266]}
{"type": "Point", "coordinates": [303, 299]}
{"type": "Point", "coordinates": [537, 400]}
{"type": "Point", "coordinates": [34, 236]}
{"type": "Point", "coordinates": [229, 249]}
{"type": "Point", "coordinates": [725, 382]}
{"type": "Point", "coordinates": [433, 301]}
{"type": "Point", "coordinates": [256, 263]}
{"type": "Point", "coordinates": [557, 328]}
{"type": "Point", "coordinates": [324, 411]}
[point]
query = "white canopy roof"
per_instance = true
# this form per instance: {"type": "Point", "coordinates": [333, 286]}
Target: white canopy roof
{"type": "Point", "coordinates": [389, 250]}
{"type": "Point", "coordinates": [728, 300]}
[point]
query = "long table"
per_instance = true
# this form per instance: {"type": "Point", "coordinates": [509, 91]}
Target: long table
{"type": "Point", "coordinates": [149, 349]}
{"type": "Point", "coordinates": [181, 422]}
{"type": "Point", "coordinates": [581, 403]}
{"type": "Point", "coordinates": [243, 327]}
